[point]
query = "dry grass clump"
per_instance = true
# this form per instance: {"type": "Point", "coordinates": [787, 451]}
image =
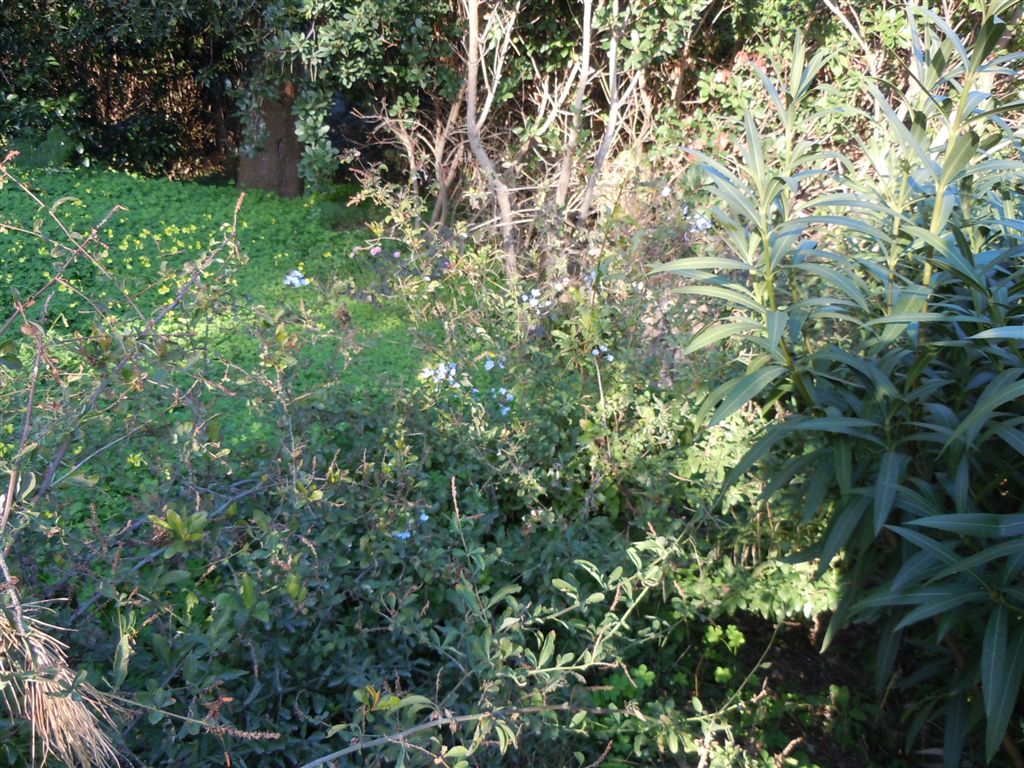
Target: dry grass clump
{"type": "Point", "coordinates": [67, 717]}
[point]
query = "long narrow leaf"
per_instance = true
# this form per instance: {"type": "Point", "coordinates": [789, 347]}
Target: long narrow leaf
{"type": "Point", "coordinates": [959, 154]}
{"type": "Point", "coordinates": [1011, 548]}
{"type": "Point", "coordinates": [939, 550]}
{"type": "Point", "coordinates": [839, 425]}
{"type": "Point", "coordinates": [735, 295]}
{"type": "Point", "coordinates": [1005, 388]}
{"type": "Point", "coordinates": [738, 392]}
{"type": "Point", "coordinates": [1015, 332]}
{"type": "Point", "coordinates": [952, 597]}
{"type": "Point", "coordinates": [696, 263]}
{"type": "Point", "coordinates": [842, 529]}
{"type": "Point", "coordinates": [999, 701]}
{"type": "Point", "coordinates": [975, 524]}
{"type": "Point", "coordinates": [712, 334]}
{"type": "Point", "coordinates": [890, 474]}
{"type": "Point", "coordinates": [956, 727]}
{"type": "Point", "coordinates": [1007, 691]}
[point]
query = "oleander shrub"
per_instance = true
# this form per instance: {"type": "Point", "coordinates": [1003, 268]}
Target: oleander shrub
{"type": "Point", "coordinates": [874, 299]}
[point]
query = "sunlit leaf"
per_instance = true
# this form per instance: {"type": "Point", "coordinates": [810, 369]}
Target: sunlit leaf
{"type": "Point", "coordinates": [734, 394]}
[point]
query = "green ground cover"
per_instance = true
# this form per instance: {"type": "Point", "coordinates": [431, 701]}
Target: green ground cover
{"type": "Point", "coordinates": [145, 229]}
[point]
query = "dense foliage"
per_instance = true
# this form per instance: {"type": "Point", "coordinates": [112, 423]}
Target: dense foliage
{"type": "Point", "coordinates": [678, 337]}
{"type": "Point", "coordinates": [330, 555]}
{"type": "Point", "coordinates": [882, 309]}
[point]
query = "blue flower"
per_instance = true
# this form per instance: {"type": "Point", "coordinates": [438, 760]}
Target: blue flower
{"type": "Point", "coordinates": [443, 373]}
{"type": "Point", "coordinates": [296, 279]}
{"type": "Point", "coordinates": [700, 224]}
{"type": "Point", "coordinates": [403, 535]}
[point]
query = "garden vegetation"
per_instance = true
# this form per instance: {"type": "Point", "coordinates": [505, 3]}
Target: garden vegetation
{"type": "Point", "coordinates": [636, 384]}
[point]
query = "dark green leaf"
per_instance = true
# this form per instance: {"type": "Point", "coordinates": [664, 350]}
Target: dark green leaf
{"type": "Point", "coordinates": [1001, 666]}
{"type": "Point", "coordinates": [890, 473]}
{"type": "Point", "coordinates": [734, 394]}
{"type": "Point", "coordinates": [975, 524]}
{"type": "Point", "coordinates": [941, 600]}
{"type": "Point", "coordinates": [956, 728]}
{"type": "Point", "coordinates": [842, 529]}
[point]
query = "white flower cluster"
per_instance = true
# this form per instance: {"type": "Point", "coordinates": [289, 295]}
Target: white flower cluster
{"type": "Point", "coordinates": [533, 300]}
{"type": "Point", "coordinates": [603, 350]}
{"type": "Point", "coordinates": [296, 279]}
{"type": "Point", "coordinates": [443, 373]}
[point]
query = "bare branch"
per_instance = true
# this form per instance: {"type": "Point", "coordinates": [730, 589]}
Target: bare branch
{"type": "Point", "coordinates": [498, 187]}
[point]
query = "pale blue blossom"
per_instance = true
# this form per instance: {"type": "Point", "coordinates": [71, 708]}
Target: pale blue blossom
{"type": "Point", "coordinates": [443, 373]}
{"type": "Point", "coordinates": [424, 517]}
{"type": "Point", "coordinates": [296, 279]}
{"type": "Point", "coordinates": [403, 535]}
{"type": "Point", "coordinates": [699, 224]}
{"type": "Point", "coordinates": [488, 364]}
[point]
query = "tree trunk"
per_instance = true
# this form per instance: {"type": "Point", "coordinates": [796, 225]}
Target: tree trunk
{"type": "Point", "coordinates": [275, 167]}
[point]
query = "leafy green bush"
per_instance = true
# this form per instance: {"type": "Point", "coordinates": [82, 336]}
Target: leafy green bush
{"type": "Point", "coordinates": [877, 300]}
{"type": "Point", "coordinates": [267, 550]}
{"type": "Point", "coordinates": [54, 150]}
